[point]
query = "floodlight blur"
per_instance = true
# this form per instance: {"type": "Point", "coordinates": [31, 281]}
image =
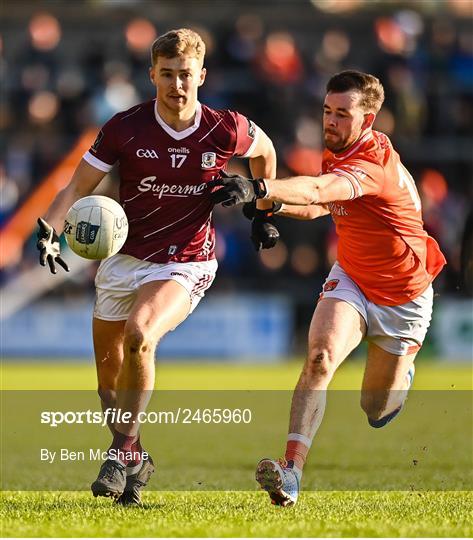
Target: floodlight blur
{"type": "Point", "coordinates": [336, 45]}
{"type": "Point", "coordinates": [304, 259]}
{"type": "Point", "coordinates": [43, 107]}
{"type": "Point", "coordinates": [410, 22]}
{"type": "Point", "coordinates": [140, 34]}
{"type": "Point", "coordinates": [281, 61]}
{"type": "Point", "coordinates": [462, 8]}
{"type": "Point", "coordinates": [391, 37]}
{"type": "Point", "coordinates": [120, 94]}
{"type": "Point", "coordinates": [280, 47]}
{"type": "Point", "coordinates": [302, 160]}
{"type": "Point", "coordinates": [274, 259]}
{"type": "Point", "coordinates": [45, 31]}
{"type": "Point", "coordinates": [337, 6]}
{"type": "Point", "coordinates": [433, 186]}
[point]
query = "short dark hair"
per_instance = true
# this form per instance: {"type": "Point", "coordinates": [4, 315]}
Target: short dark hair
{"type": "Point", "coordinates": [370, 88]}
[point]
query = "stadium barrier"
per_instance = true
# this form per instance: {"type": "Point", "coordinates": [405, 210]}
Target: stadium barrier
{"type": "Point", "coordinates": [452, 329]}
{"type": "Point", "coordinates": [233, 327]}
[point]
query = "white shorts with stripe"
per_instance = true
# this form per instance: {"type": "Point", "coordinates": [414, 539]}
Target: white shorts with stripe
{"type": "Point", "coordinates": [119, 278]}
{"type": "Point", "coordinates": [399, 329]}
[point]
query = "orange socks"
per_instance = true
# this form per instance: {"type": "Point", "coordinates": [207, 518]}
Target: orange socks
{"type": "Point", "coordinates": [297, 448]}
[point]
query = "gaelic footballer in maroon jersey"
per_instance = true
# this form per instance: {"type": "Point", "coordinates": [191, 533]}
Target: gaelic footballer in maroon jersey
{"type": "Point", "coordinates": [163, 176]}
{"type": "Point", "coordinates": [168, 150]}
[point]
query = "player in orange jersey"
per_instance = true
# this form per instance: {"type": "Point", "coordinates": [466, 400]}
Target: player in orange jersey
{"type": "Point", "coordinates": [380, 287]}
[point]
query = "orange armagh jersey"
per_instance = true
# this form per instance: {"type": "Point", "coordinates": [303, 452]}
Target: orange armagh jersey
{"type": "Point", "coordinates": [382, 243]}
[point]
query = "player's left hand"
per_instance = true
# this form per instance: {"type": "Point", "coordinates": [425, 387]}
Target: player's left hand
{"type": "Point", "coordinates": [264, 233]}
{"type": "Point", "coordinates": [49, 247]}
{"type": "Point", "coordinates": [236, 189]}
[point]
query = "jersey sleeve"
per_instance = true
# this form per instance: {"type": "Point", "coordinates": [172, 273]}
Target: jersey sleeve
{"type": "Point", "coordinates": [103, 153]}
{"type": "Point", "coordinates": [247, 133]}
{"type": "Point", "coordinates": [365, 177]}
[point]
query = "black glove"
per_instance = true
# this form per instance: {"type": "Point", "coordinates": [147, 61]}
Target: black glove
{"type": "Point", "coordinates": [249, 209]}
{"type": "Point", "coordinates": [264, 233]}
{"type": "Point", "coordinates": [236, 189]}
{"type": "Point", "coordinates": [49, 247]}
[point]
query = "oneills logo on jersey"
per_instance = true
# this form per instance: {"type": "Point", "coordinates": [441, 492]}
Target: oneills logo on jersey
{"type": "Point", "coordinates": [181, 150]}
{"type": "Point", "coordinates": [209, 160]}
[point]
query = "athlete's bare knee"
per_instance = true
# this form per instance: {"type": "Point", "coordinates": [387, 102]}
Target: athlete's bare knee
{"type": "Point", "coordinates": [320, 362]}
{"type": "Point", "coordinates": [373, 404]}
{"type": "Point", "coordinates": [138, 342]}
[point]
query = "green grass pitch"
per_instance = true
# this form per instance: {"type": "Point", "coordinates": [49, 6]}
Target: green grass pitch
{"type": "Point", "coordinates": [393, 513]}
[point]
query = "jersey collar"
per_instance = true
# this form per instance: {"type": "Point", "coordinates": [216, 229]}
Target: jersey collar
{"type": "Point", "coordinates": [178, 135]}
{"type": "Point", "coordinates": [355, 146]}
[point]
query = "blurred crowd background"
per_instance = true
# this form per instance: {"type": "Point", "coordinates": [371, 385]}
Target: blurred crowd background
{"type": "Point", "coordinates": [70, 65]}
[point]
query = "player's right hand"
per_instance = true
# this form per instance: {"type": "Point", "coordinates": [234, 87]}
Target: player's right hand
{"type": "Point", "coordinates": [49, 247]}
{"type": "Point", "coordinates": [235, 189]}
{"type": "Point", "coordinates": [264, 233]}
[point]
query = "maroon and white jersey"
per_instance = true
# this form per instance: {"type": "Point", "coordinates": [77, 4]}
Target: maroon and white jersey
{"type": "Point", "coordinates": [163, 177]}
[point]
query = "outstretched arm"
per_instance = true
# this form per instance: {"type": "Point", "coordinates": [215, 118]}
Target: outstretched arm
{"type": "Point", "coordinates": [307, 190]}
{"type": "Point", "coordinates": [297, 190]}
{"type": "Point", "coordinates": [84, 180]}
{"type": "Point", "coordinates": [311, 211]}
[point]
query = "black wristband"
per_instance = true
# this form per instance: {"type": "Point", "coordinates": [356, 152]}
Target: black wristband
{"type": "Point", "coordinates": [276, 207]}
{"type": "Point", "coordinates": [268, 212]}
{"type": "Point", "coordinates": [260, 188]}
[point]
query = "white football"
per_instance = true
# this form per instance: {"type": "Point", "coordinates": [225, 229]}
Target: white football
{"type": "Point", "coordinates": [96, 227]}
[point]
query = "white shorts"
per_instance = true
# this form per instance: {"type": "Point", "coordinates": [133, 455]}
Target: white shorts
{"type": "Point", "coordinates": [119, 278]}
{"type": "Point", "coordinates": [398, 330]}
